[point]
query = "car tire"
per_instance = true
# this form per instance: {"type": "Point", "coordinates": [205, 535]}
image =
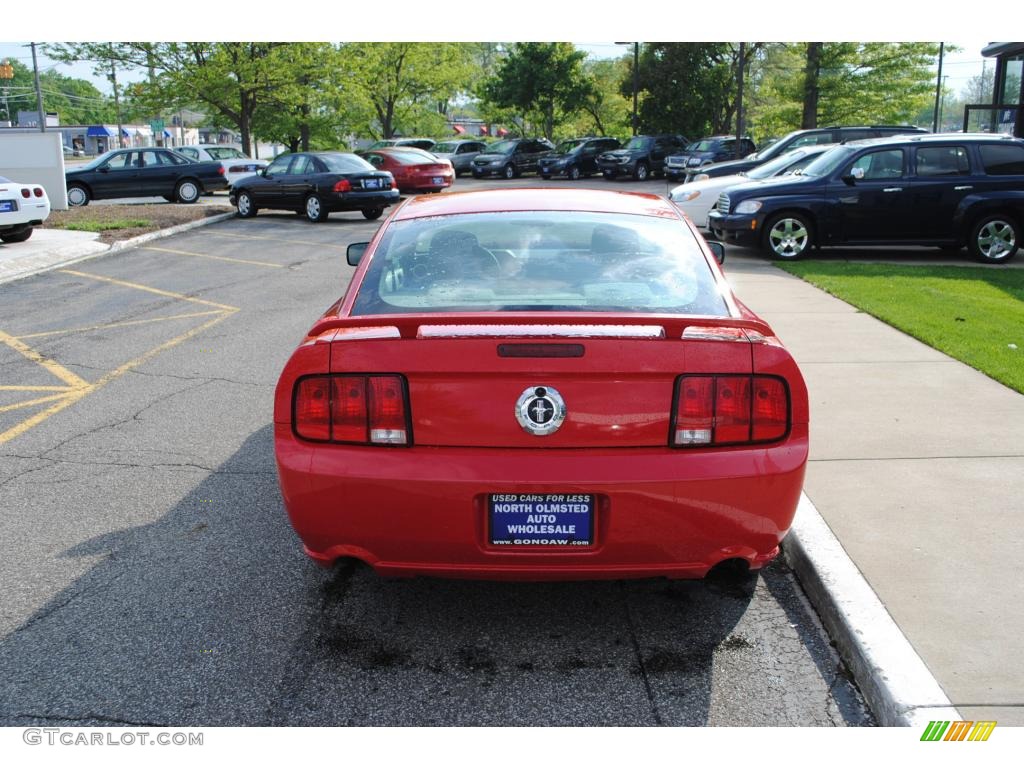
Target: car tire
{"type": "Point", "coordinates": [245, 205]}
{"type": "Point", "coordinates": [187, 191]}
{"type": "Point", "coordinates": [641, 171]}
{"type": "Point", "coordinates": [994, 239]}
{"type": "Point", "coordinates": [509, 171]}
{"type": "Point", "coordinates": [788, 236]}
{"type": "Point", "coordinates": [314, 209]}
{"type": "Point", "coordinates": [78, 195]}
{"type": "Point", "coordinates": [17, 237]}
{"type": "Point", "coordinates": [372, 213]}
{"type": "Point", "coordinates": [573, 173]}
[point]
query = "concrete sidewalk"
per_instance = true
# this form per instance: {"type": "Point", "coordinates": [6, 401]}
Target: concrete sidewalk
{"type": "Point", "coordinates": [917, 465]}
{"type": "Point", "coordinates": [47, 249]}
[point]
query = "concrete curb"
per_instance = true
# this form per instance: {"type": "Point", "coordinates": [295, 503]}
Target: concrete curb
{"type": "Point", "coordinates": [122, 245]}
{"type": "Point", "coordinates": [896, 684]}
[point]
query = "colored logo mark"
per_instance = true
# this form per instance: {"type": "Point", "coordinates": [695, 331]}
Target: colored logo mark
{"type": "Point", "coordinates": [958, 730]}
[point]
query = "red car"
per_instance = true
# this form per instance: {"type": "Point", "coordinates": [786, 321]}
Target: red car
{"type": "Point", "coordinates": [415, 170]}
{"type": "Point", "coordinates": [540, 384]}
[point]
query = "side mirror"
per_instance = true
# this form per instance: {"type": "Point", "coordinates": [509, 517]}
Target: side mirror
{"type": "Point", "coordinates": [855, 174]}
{"type": "Point", "coordinates": [104, 169]}
{"type": "Point", "coordinates": [354, 253]}
{"type": "Point", "coordinates": [718, 249]}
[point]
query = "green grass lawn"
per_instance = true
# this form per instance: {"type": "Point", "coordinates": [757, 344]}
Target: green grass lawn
{"type": "Point", "coordinates": [96, 225]}
{"type": "Point", "coordinates": [974, 314]}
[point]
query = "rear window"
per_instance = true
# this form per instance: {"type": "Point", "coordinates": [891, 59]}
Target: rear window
{"type": "Point", "coordinates": [345, 163]}
{"type": "Point", "coordinates": [539, 261]}
{"type": "Point", "coordinates": [412, 158]}
{"type": "Point", "coordinates": [1002, 159]}
{"type": "Point", "coordinates": [225, 153]}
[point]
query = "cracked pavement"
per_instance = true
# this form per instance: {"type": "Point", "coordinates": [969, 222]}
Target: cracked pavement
{"type": "Point", "coordinates": [150, 576]}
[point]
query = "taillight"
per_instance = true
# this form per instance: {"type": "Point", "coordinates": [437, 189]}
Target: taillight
{"type": "Point", "coordinates": [343, 186]}
{"type": "Point", "coordinates": [394, 184]}
{"type": "Point", "coordinates": [38, 191]}
{"type": "Point", "coordinates": [25, 192]}
{"type": "Point", "coordinates": [347, 408]}
{"type": "Point", "coordinates": [729, 410]}
{"type": "Point", "coordinates": [221, 170]}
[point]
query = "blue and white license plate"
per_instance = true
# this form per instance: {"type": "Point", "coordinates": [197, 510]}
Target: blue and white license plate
{"type": "Point", "coordinates": [438, 180]}
{"type": "Point", "coordinates": [371, 183]}
{"type": "Point", "coordinates": [6, 206]}
{"type": "Point", "coordinates": [541, 519]}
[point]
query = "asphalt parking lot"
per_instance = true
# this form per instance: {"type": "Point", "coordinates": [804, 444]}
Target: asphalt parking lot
{"type": "Point", "coordinates": [150, 575]}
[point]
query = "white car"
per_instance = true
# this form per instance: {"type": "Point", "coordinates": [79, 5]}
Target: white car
{"type": "Point", "coordinates": [22, 206]}
{"type": "Point", "coordinates": [236, 165]}
{"type": "Point", "coordinates": [697, 198]}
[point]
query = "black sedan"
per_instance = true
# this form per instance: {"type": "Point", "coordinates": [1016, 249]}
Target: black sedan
{"type": "Point", "coordinates": [148, 172]}
{"type": "Point", "coordinates": [316, 184]}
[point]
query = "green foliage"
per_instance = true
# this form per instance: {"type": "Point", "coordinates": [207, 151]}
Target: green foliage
{"type": "Point", "coordinates": [859, 83]}
{"type": "Point", "coordinates": [403, 87]}
{"type": "Point", "coordinates": [542, 83]}
{"type": "Point", "coordinates": [686, 88]}
{"type": "Point", "coordinates": [78, 102]}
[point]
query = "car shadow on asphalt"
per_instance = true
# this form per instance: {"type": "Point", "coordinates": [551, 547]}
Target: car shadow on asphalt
{"type": "Point", "coordinates": [212, 616]}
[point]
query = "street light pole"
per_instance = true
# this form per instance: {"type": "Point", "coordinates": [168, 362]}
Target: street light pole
{"type": "Point", "coordinates": [938, 92]}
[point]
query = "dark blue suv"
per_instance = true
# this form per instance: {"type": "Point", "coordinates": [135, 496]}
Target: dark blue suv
{"type": "Point", "coordinates": [946, 190]}
{"type": "Point", "coordinates": [711, 149]}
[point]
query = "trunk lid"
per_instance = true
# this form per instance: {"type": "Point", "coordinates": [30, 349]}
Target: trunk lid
{"type": "Point", "coordinates": [617, 381]}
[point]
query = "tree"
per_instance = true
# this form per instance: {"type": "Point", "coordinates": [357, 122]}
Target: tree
{"type": "Point", "coordinates": [604, 107]}
{"type": "Point", "coordinates": [686, 88]}
{"type": "Point", "coordinates": [78, 102]}
{"type": "Point", "coordinates": [545, 79]}
{"type": "Point", "coordinates": [404, 86]}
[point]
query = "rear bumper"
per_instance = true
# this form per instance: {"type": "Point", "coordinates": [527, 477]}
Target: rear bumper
{"type": "Point", "coordinates": [423, 511]}
{"type": "Point", "coordinates": [357, 201]}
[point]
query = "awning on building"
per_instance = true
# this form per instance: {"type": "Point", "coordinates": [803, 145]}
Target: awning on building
{"type": "Point", "coordinates": [168, 134]}
{"type": "Point", "coordinates": [128, 132]}
{"type": "Point", "coordinates": [100, 132]}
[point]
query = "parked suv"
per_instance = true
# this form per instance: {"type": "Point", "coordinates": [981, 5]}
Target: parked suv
{"type": "Point", "coordinates": [947, 190]}
{"type": "Point", "coordinates": [510, 158]}
{"type": "Point", "coordinates": [642, 156]}
{"type": "Point", "coordinates": [576, 157]}
{"type": "Point", "coordinates": [712, 149]}
{"type": "Point", "coordinates": [834, 134]}
{"type": "Point", "coordinates": [459, 153]}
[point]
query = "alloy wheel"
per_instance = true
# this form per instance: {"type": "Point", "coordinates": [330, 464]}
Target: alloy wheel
{"type": "Point", "coordinates": [188, 192]}
{"type": "Point", "coordinates": [997, 240]}
{"type": "Point", "coordinates": [788, 238]}
{"type": "Point", "coordinates": [313, 208]}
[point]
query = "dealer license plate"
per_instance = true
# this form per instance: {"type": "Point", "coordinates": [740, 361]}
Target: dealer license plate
{"type": "Point", "coordinates": [6, 206]}
{"type": "Point", "coordinates": [438, 180]}
{"type": "Point", "coordinates": [541, 519]}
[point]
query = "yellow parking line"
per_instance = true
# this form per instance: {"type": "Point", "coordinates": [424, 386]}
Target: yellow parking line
{"type": "Point", "coordinates": [32, 388]}
{"type": "Point", "coordinates": [215, 258]}
{"type": "Point", "coordinates": [157, 291]}
{"type": "Point", "coordinates": [52, 366]}
{"type": "Point", "coordinates": [37, 401]}
{"type": "Point", "coordinates": [120, 324]}
{"type": "Point", "coordinates": [72, 397]}
{"type": "Point", "coordinates": [275, 239]}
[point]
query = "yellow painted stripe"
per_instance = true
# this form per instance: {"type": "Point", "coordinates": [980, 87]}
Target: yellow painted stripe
{"type": "Point", "coordinates": [121, 324]}
{"type": "Point", "coordinates": [215, 258]}
{"type": "Point", "coordinates": [19, 388]}
{"type": "Point", "coordinates": [274, 239]}
{"type": "Point", "coordinates": [74, 396]}
{"type": "Point", "coordinates": [157, 291]}
{"type": "Point", "coordinates": [37, 401]}
{"type": "Point", "coordinates": [42, 416]}
{"type": "Point", "coordinates": [52, 366]}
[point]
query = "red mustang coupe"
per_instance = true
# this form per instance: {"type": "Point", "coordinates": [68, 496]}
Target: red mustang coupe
{"type": "Point", "coordinates": [415, 170]}
{"type": "Point", "coordinates": [540, 384]}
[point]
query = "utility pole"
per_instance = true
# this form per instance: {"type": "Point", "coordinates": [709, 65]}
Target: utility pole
{"type": "Point", "coordinates": [117, 101]}
{"type": "Point", "coordinates": [938, 91]}
{"type": "Point", "coordinates": [636, 87]}
{"type": "Point", "coordinates": [741, 65]}
{"type": "Point", "coordinates": [39, 91]}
